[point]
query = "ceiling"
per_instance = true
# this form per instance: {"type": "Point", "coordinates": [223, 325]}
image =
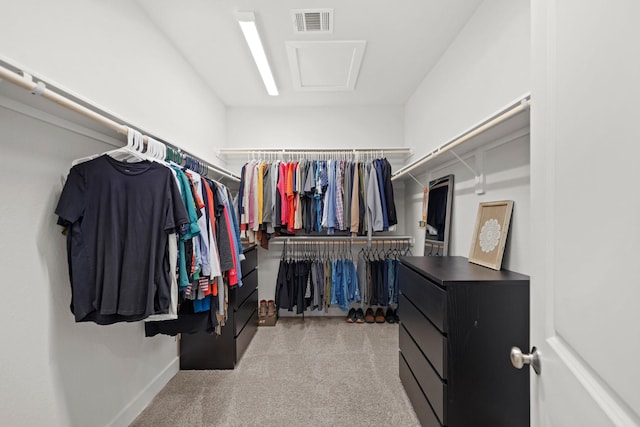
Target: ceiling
{"type": "Point", "coordinates": [403, 40]}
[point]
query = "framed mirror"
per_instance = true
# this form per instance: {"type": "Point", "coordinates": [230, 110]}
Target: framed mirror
{"type": "Point", "coordinates": [438, 216]}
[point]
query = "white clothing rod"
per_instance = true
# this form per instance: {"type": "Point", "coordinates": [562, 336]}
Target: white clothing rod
{"type": "Point", "coordinates": [258, 151]}
{"type": "Point", "coordinates": [341, 239]}
{"type": "Point", "coordinates": [26, 82]}
{"type": "Point", "coordinates": [510, 111]}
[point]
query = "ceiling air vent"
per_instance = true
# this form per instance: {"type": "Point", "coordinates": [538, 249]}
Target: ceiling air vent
{"type": "Point", "coordinates": [312, 20]}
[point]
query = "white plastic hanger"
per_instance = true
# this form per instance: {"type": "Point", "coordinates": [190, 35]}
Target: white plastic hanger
{"type": "Point", "coordinates": [128, 152]}
{"type": "Point", "coordinates": [132, 152]}
{"type": "Point", "coordinates": [156, 151]}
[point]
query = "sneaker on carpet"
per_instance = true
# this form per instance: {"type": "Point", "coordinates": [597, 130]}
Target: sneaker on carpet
{"type": "Point", "coordinates": [389, 316]}
{"type": "Point", "coordinates": [351, 316]}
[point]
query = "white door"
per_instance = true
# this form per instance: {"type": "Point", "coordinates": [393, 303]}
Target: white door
{"type": "Point", "coordinates": [585, 189]}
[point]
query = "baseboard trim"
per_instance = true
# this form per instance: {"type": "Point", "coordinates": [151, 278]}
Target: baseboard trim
{"type": "Point", "coordinates": [137, 405]}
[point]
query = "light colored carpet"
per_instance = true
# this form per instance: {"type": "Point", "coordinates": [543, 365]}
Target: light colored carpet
{"type": "Point", "coordinates": [316, 372]}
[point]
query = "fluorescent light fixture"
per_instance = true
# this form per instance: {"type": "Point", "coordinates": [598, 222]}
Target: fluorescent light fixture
{"type": "Point", "coordinates": [247, 21]}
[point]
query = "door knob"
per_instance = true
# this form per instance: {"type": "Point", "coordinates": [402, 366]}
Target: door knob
{"type": "Point", "coordinates": [518, 359]}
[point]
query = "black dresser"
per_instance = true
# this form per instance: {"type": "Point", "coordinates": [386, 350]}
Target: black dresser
{"type": "Point", "coordinates": [204, 351]}
{"type": "Point", "coordinates": [458, 324]}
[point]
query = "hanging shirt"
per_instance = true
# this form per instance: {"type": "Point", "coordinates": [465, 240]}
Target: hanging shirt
{"type": "Point", "coordinates": [275, 167]}
{"type": "Point", "coordinates": [267, 211]}
{"type": "Point", "coordinates": [248, 171]}
{"type": "Point", "coordinates": [202, 240]}
{"type": "Point", "coordinates": [227, 233]}
{"type": "Point", "coordinates": [329, 213]}
{"type": "Point", "coordinates": [291, 169]}
{"type": "Point", "coordinates": [282, 189]}
{"type": "Point", "coordinates": [388, 192]}
{"type": "Point", "coordinates": [383, 201]}
{"type": "Point", "coordinates": [339, 202]}
{"type": "Point", "coordinates": [374, 206]}
{"type": "Point", "coordinates": [214, 258]}
{"type": "Point", "coordinates": [348, 184]}
{"type": "Point", "coordinates": [119, 216]}
{"type": "Point", "coordinates": [260, 192]}
{"type": "Point", "coordinates": [254, 218]}
{"type": "Point", "coordinates": [297, 224]}
{"type": "Point", "coordinates": [191, 231]}
{"type": "Point", "coordinates": [233, 221]}
{"type": "Point", "coordinates": [362, 200]}
{"type": "Point", "coordinates": [241, 193]}
{"type": "Point", "coordinates": [355, 217]}
{"type": "Point", "coordinates": [172, 313]}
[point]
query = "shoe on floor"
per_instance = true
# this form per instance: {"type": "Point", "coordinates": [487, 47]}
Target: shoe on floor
{"type": "Point", "coordinates": [271, 308]}
{"type": "Point", "coordinates": [389, 316]}
{"type": "Point", "coordinates": [351, 316]}
{"type": "Point", "coordinates": [262, 312]}
{"type": "Point", "coordinates": [379, 315]}
{"type": "Point", "coordinates": [359, 316]}
{"type": "Point", "coordinates": [368, 316]}
{"type": "Point", "coordinates": [395, 316]}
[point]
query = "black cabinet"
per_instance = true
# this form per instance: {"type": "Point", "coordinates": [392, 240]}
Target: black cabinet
{"type": "Point", "coordinates": [458, 324]}
{"type": "Point", "coordinates": [204, 351]}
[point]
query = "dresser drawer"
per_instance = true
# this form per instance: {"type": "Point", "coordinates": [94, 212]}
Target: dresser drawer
{"type": "Point", "coordinates": [238, 294]}
{"type": "Point", "coordinates": [250, 260]}
{"type": "Point", "coordinates": [418, 401]}
{"type": "Point", "coordinates": [244, 338]}
{"type": "Point", "coordinates": [424, 294]}
{"type": "Point", "coordinates": [244, 312]}
{"type": "Point", "coordinates": [434, 389]}
{"type": "Point", "coordinates": [430, 341]}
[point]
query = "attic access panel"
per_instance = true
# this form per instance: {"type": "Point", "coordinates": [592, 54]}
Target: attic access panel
{"type": "Point", "coordinates": [325, 65]}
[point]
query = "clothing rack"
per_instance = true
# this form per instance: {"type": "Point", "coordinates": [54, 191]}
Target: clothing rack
{"type": "Point", "coordinates": [318, 240]}
{"type": "Point", "coordinates": [509, 111]}
{"type": "Point", "coordinates": [338, 152]}
{"type": "Point", "coordinates": [25, 80]}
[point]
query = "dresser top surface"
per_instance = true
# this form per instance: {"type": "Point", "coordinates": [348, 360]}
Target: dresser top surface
{"type": "Point", "coordinates": [447, 270]}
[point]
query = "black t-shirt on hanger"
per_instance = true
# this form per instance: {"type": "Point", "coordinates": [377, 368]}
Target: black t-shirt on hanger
{"type": "Point", "coordinates": [119, 216]}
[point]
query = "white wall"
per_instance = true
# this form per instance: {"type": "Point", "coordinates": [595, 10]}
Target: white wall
{"type": "Point", "coordinates": [507, 177]}
{"type": "Point", "coordinates": [55, 372]}
{"type": "Point", "coordinates": [328, 128]}
{"type": "Point", "coordinates": [485, 68]}
{"type": "Point", "coordinates": [111, 55]}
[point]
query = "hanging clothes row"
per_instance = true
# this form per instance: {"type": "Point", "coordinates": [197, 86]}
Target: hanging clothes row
{"type": "Point", "coordinates": [378, 272]}
{"type": "Point", "coordinates": [311, 278]}
{"type": "Point", "coordinates": [148, 239]}
{"type": "Point", "coordinates": [211, 259]}
{"type": "Point", "coordinates": [317, 276]}
{"type": "Point", "coordinates": [315, 196]}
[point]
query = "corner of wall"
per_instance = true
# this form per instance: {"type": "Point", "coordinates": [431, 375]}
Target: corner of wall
{"type": "Point", "coordinates": [138, 403]}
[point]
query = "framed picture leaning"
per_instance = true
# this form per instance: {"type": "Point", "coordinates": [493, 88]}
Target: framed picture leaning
{"type": "Point", "coordinates": [490, 235]}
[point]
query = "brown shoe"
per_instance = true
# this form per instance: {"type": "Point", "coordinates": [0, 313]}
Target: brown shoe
{"type": "Point", "coordinates": [262, 310]}
{"type": "Point", "coordinates": [379, 315]}
{"type": "Point", "coordinates": [271, 308]}
{"type": "Point", "coordinates": [368, 316]}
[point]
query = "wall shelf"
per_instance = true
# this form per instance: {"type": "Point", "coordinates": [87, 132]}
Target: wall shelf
{"type": "Point", "coordinates": [506, 125]}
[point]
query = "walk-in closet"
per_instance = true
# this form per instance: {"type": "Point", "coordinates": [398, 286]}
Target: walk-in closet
{"type": "Point", "coordinates": [246, 213]}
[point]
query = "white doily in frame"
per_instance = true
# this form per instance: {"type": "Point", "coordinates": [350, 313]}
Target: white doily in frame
{"type": "Point", "coordinates": [490, 235]}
